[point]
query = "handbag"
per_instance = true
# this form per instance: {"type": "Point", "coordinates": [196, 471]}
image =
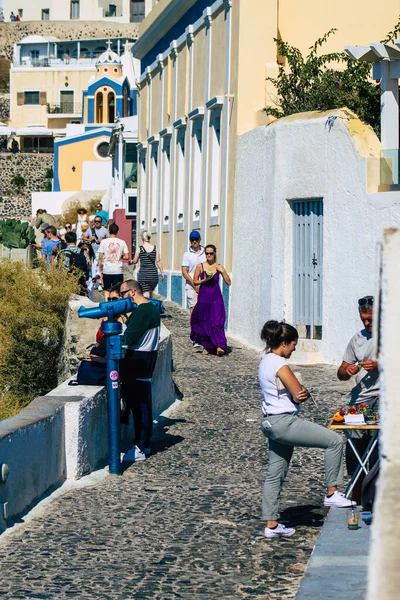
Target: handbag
{"type": "Point", "coordinates": [91, 373]}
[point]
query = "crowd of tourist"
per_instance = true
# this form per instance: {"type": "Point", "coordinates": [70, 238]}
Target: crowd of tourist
{"type": "Point", "coordinates": [92, 247]}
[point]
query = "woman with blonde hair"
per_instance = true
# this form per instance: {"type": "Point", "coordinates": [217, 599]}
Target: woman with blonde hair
{"type": "Point", "coordinates": [150, 261]}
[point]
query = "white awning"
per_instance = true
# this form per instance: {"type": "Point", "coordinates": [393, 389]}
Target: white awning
{"type": "Point", "coordinates": [35, 131]}
{"type": "Point", "coordinates": [5, 130]}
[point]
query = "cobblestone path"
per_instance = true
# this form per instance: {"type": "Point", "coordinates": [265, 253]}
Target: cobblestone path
{"type": "Point", "coordinates": [186, 523]}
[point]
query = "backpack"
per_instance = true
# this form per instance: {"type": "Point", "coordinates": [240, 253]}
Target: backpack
{"type": "Point", "coordinates": [368, 489]}
{"type": "Point", "coordinates": [78, 261]}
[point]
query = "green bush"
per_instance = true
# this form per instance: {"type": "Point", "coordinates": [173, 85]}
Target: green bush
{"type": "Point", "coordinates": [18, 180]}
{"type": "Point", "coordinates": [32, 317]}
{"type": "Point", "coordinates": [311, 83]}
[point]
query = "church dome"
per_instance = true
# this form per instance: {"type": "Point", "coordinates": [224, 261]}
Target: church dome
{"type": "Point", "coordinates": [109, 58]}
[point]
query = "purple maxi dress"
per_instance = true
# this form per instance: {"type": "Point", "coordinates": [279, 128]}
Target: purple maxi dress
{"type": "Point", "coordinates": [208, 316]}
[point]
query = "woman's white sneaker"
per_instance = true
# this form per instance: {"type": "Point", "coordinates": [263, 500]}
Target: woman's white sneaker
{"type": "Point", "coordinates": [279, 531]}
{"type": "Point", "coordinates": [339, 500]}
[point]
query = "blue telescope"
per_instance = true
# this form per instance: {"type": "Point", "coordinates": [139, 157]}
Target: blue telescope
{"type": "Point", "coordinates": [112, 330]}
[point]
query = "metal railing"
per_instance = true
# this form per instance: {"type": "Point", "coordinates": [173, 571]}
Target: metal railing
{"type": "Point", "coordinates": [65, 108]}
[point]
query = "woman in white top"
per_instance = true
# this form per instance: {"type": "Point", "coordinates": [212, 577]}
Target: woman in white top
{"type": "Point", "coordinates": [282, 395]}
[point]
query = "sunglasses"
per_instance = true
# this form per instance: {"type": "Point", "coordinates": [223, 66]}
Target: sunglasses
{"type": "Point", "coordinates": [68, 227]}
{"type": "Point", "coordinates": [210, 253]}
{"type": "Point", "coordinates": [366, 302]}
{"type": "Point", "coordinates": [97, 221]}
{"type": "Point", "coordinates": [122, 293]}
{"type": "Point", "coordinates": [112, 299]}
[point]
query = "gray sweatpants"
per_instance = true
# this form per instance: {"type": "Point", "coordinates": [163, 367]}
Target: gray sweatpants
{"type": "Point", "coordinates": [284, 433]}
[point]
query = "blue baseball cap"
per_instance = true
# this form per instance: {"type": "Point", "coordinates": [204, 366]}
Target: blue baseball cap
{"type": "Point", "coordinates": [195, 235]}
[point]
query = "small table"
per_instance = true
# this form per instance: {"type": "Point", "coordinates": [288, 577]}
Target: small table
{"type": "Point", "coordinates": [362, 460]}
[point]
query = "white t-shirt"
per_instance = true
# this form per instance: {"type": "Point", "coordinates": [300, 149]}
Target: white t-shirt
{"type": "Point", "coordinates": [191, 259]}
{"type": "Point", "coordinates": [362, 347]}
{"type": "Point", "coordinates": [113, 249]}
{"type": "Point", "coordinates": [275, 402]}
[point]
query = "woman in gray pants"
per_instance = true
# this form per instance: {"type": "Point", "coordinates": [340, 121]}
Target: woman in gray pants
{"type": "Point", "coordinates": [280, 423]}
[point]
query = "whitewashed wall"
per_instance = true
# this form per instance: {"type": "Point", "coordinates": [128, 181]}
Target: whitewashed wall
{"type": "Point", "coordinates": [301, 158]}
{"type": "Point", "coordinates": [383, 571]}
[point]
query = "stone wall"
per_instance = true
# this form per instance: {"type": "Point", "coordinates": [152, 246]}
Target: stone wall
{"type": "Point", "coordinates": [11, 33]}
{"type": "Point", "coordinates": [15, 201]}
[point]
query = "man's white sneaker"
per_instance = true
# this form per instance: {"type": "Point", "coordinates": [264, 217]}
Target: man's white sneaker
{"type": "Point", "coordinates": [279, 531]}
{"type": "Point", "coordinates": [196, 345]}
{"type": "Point", "coordinates": [134, 455]}
{"type": "Point", "coordinates": [339, 500]}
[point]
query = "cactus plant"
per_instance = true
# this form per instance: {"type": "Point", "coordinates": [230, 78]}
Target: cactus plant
{"type": "Point", "coordinates": [16, 234]}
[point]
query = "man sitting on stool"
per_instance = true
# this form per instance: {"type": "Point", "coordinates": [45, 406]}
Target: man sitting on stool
{"type": "Point", "coordinates": [142, 336]}
{"type": "Point", "coordinates": [358, 362]}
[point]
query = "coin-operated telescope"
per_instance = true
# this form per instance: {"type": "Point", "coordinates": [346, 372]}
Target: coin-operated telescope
{"type": "Point", "coordinates": [115, 350]}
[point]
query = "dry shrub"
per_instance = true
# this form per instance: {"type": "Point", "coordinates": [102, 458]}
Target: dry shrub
{"type": "Point", "coordinates": [32, 316]}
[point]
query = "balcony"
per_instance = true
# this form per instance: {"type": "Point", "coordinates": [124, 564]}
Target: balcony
{"type": "Point", "coordinates": [65, 108]}
{"type": "Point", "coordinates": [56, 62]}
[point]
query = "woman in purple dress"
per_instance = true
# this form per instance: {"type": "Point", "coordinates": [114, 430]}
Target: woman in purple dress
{"type": "Point", "coordinates": [208, 316]}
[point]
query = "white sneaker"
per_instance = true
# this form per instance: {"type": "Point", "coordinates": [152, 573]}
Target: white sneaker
{"type": "Point", "coordinates": [279, 531]}
{"type": "Point", "coordinates": [196, 345]}
{"type": "Point", "coordinates": [134, 455]}
{"type": "Point", "coordinates": [339, 500]}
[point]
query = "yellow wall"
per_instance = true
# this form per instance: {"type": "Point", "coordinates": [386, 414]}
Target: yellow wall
{"type": "Point", "coordinates": [155, 103]}
{"type": "Point", "coordinates": [358, 21]}
{"type": "Point", "coordinates": [47, 81]}
{"type": "Point", "coordinates": [200, 50]}
{"type": "Point", "coordinates": [75, 154]}
{"type": "Point", "coordinates": [182, 84]}
{"type": "Point", "coordinates": [218, 39]}
{"type": "Point", "coordinates": [143, 101]}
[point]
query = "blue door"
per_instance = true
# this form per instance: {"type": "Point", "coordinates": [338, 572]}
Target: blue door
{"type": "Point", "coordinates": [307, 267]}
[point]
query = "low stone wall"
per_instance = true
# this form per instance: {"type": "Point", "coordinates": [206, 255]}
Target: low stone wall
{"type": "Point", "coordinates": [15, 201]}
{"type": "Point", "coordinates": [64, 436]}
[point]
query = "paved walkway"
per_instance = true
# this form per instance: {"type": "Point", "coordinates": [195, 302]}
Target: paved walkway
{"type": "Point", "coordinates": [185, 523]}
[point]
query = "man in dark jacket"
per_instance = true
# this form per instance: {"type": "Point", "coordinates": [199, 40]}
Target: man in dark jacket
{"type": "Point", "coordinates": [142, 336]}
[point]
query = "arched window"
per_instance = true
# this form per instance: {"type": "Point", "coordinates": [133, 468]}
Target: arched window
{"type": "Point", "coordinates": [99, 107]}
{"type": "Point", "coordinates": [111, 107]}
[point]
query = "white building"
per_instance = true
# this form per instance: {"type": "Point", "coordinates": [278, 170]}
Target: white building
{"type": "Point", "coordinates": [118, 11]}
{"type": "Point", "coordinates": [308, 251]}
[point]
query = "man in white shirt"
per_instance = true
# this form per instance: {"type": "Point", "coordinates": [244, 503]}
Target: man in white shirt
{"type": "Point", "coordinates": [193, 257]}
{"type": "Point", "coordinates": [359, 362]}
{"type": "Point", "coordinates": [111, 253]}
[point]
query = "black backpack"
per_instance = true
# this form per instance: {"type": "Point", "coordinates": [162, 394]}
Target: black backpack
{"type": "Point", "coordinates": [78, 261]}
{"type": "Point", "coordinates": [368, 489]}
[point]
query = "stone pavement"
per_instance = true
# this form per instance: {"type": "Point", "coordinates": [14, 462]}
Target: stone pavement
{"type": "Point", "coordinates": [186, 522]}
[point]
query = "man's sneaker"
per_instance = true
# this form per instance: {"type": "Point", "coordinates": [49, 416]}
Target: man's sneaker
{"type": "Point", "coordinates": [279, 531]}
{"type": "Point", "coordinates": [134, 455]}
{"type": "Point", "coordinates": [196, 345]}
{"type": "Point", "coordinates": [339, 500]}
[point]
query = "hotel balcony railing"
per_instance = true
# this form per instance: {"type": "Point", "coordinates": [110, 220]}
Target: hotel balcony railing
{"type": "Point", "coordinates": [55, 62]}
{"type": "Point", "coordinates": [65, 108]}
